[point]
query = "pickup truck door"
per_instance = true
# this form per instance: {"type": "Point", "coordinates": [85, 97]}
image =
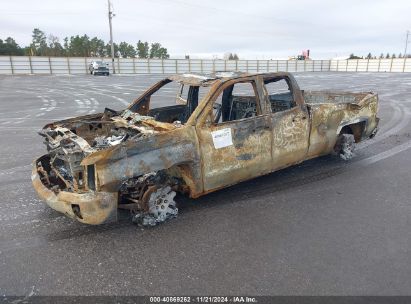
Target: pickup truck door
{"type": "Point", "coordinates": [235, 150]}
{"type": "Point", "coordinates": [290, 123]}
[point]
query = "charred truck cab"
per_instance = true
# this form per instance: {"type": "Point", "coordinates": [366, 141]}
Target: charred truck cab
{"type": "Point", "coordinates": [223, 128]}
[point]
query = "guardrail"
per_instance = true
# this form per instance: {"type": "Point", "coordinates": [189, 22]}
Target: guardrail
{"type": "Point", "coordinates": [18, 65]}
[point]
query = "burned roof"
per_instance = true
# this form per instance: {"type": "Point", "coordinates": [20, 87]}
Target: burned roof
{"type": "Point", "coordinates": [208, 79]}
{"type": "Point", "coordinates": [205, 79]}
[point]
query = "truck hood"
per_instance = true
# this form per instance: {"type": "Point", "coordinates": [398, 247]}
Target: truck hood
{"type": "Point", "coordinates": [79, 141]}
{"type": "Point", "coordinates": [92, 133]}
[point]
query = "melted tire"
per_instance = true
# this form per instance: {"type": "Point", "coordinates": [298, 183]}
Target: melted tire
{"type": "Point", "coordinates": [345, 146]}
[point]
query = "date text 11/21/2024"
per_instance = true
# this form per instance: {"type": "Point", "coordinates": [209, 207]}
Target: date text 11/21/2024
{"type": "Point", "coordinates": [203, 299]}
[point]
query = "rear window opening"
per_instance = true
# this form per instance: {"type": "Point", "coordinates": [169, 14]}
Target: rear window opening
{"type": "Point", "coordinates": [279, 94]}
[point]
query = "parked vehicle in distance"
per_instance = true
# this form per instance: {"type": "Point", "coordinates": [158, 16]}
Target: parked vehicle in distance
{"type": "Point", "coordinates": [226, 127]}
{"type": "Point", "coordinates": [99, 67]}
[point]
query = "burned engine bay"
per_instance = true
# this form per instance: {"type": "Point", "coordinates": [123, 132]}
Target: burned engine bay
{"type": "Point", "coordinates": [70, 141]}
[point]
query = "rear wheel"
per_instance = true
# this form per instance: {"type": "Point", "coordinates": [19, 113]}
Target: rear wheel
{"type": "Point", "coordinates": [345, 146]}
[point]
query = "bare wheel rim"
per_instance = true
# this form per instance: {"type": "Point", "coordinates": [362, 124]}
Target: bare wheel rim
{"type": "Point", "coordinates": [159, 206]}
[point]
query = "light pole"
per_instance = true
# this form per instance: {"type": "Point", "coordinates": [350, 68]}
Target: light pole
{"type": "Point", "coordinates": [406, 43]}
{"type": "Point", "coordinates": [110, 16]}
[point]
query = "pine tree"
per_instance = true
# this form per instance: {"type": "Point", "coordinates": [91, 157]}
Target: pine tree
{"type": "Point", "coordinates": [39, 43]}
{"type": "Point", "coordinates": [10, 47]}
{"type": "Point", "coordinates": [142, 49]}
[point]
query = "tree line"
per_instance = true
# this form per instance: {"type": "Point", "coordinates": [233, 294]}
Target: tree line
{"type": "Point", "coordinates": [382, 56]}
{"type": "Point", "coordinates": [80, 46]}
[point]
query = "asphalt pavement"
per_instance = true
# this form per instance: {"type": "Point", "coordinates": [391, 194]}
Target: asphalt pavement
{"type": "Point", "coordinates": [324, 227]}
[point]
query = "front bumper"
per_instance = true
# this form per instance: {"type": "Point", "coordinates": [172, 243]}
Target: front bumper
{"type": "Point", "coordinates": [101, 71]}
{"type": "Point", "coordinates": [91, 207]}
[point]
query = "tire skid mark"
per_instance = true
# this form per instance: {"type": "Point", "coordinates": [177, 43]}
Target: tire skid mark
{"type": "Point", "coordinates": [20, 120]}
{"type": "Point", "coordinates": [399, 123]}
{"type": "Point", "coordinates": [383, 155]}
{"type": "Point", "coordinates": [84, 104]}
{"type": "Point", "coordinates": [100, 91]}
{"type": "Point", "coordinates": [81, 106]}
{"type": "Point", "coordinates": [29, 92]}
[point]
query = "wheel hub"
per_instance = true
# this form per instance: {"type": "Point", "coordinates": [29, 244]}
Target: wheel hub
{"type": "Point", "coordinates": [160, 206]}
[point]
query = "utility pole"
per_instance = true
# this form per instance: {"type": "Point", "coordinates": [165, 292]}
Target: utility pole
{"type": "Point", "coordinates": [406, 43]}
{"type": "Point", "coordinates": [110, 16]}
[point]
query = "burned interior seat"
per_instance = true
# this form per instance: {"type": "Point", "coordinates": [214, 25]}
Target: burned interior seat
{"type": "Point", "coordinates": [281, 102]}
{"type": "Point", "coordinates": [169, 114]}
{"type": "Point", "coordinates": [242, 107]}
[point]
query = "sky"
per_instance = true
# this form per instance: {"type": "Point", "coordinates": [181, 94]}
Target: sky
{"type": "Point", "coordinates": [263, 29]}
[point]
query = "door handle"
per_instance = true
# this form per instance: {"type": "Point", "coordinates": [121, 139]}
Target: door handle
{"type": "Point", "coordinates": [261, 128]}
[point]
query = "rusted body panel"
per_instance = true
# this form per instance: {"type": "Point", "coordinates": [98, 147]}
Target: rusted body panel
{"type": "Point", "coordinates": [327, 120]}
{"type": "Point", "coordinates": [247, 157]}
{"type": "Point", "coordinates": [161, 151]}
{"type": "Point", "coordinates": [290, 137]}
{"type": "Point", "coordinates": [99, 162]}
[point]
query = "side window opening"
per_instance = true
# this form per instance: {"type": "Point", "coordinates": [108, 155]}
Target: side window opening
{"type": "Point", "coordinates": [184, 91]}
{"type": "Point", "coordinates": [279, 94]}
{"type": "Point", "coordinates": [182, 95]}
{"type": "Point", "coordinates": [236, 102]}
{"type": "Point", "coordinates": [218, 109]}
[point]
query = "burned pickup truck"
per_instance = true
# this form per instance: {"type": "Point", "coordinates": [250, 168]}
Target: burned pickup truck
{"type": "Point", "coordinates": [219, 129]}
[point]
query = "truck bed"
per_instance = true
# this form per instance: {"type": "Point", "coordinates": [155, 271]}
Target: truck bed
{"type": "Point", "coordinates": [284, 101]}
{"type": "Point", "coordinates": [331, 112]}
{"type": "Point", "coordinates": [320, 97]}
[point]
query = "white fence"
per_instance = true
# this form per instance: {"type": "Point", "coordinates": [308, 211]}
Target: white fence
{"type": "Point", "coordinates": [372, 65]}
{"type": "Point", "coordinates": [74, 65]}
{"type": "Point", "coordinates": [16, 65]}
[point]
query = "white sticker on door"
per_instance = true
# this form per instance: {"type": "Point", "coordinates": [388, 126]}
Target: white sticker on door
{"type": "Point", "coordinates": [222, 138]}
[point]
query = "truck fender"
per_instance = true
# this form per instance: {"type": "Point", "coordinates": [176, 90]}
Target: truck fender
{"type": "Point", "coordinates": [138, 157]}
{"type": "Point", "coordinates": [356, 127]}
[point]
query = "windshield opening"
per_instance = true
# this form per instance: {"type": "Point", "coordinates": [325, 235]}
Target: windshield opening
{"type": "Point", "coordinates": [170, 101]}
